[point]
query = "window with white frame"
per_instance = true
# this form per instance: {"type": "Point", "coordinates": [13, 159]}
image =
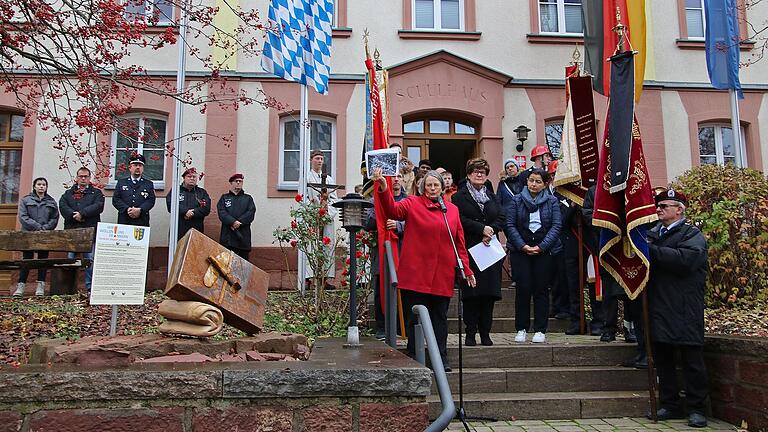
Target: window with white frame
{"type": "Point", "coordinates": [155, 12]}
{"type": "Point", "coordinates": [560, 16]}
{"type": "Point", "coordinates": [322, 136]}
{"type": "Point", "coordinates": [441, 15]}
{"type": "Point", "coordinates": [335, 22]}
{"type": "Point", "coordinates": [145, 134]}
{"type": "Point", "coordinates": [716, 145]}
{"type": "Point", "coordinates": [694, 18]}
{"type": "Point", "coordinates": [553, 134]}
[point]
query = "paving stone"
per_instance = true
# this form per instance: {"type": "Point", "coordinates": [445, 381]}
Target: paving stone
{"type": "Point", "coordinates": [508, 429]}
{"type": "Point", "coordinates": [528, 423]}
{"type": "Point", "coordinates": [622, 422]}
{"type": "Point", "coordinates": [568, 428]}
{"type": "Point", "coordinates": [590, 421]}
{"type": "Point", "coordinates": [602, 427]}
{"type": "Point", "coordinates": [539, 429]}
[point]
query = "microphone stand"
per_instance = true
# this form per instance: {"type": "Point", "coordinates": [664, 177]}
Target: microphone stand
{"type": "Point", "coordinates": [460, 413]}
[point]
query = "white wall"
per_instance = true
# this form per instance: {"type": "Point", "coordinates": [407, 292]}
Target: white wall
{"type": "Point", "coordinates": [677, 144]}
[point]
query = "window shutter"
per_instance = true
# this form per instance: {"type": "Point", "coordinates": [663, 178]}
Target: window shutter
{"type": "Point", "coordinates": [573, 22]}
{"type": "Point", "coordinates": [425, 14]}
{"type": "Point", "coordinates": [449, 14]}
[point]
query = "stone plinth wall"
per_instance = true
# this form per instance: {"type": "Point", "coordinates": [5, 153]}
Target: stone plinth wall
{"type": "Point", "coordinates": [738, 372]}
{"type": "Point", "coordinates": [338, 389]}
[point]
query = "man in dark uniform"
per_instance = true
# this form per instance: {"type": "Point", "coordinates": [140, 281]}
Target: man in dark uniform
{"type": "Point", "coordinates": [81, 207]}
{"type": "Point", "coordinates": [678, 258]}
{"type": "Point", "coordinates": [236, 211]}
{"type": "Point", "coordinates": [134, 196]}
{"type": "Point", "coordinates": [194, 203]}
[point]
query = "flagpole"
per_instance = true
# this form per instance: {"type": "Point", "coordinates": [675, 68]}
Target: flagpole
{"type": "Point", "coordinates": [303, 156]}
{"type": "Point", "coordinates": [736, 127]}
{"type": "Point", "coordinates": [178, 125]}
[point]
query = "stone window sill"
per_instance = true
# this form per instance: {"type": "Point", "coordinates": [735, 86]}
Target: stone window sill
{"type": "Point", "coordinates": [341, 32]}
{"type": "Point", "coordinates": [698, 44]}
{"type": "Point", "coordinates": [549, 38]}
{"type": "Point", "coordinates": [438, 35]}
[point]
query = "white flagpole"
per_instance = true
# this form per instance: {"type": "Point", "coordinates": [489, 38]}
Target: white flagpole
{"type": "Point", "coordinates": [177, 131]}
{"type": "Point", "coordinates": [736, 127]}
{"type": "Point", "coordinates": [303, 157]}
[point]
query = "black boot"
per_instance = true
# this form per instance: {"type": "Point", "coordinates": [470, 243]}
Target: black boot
{"type": "Point", "coordinates": [573, 329]}
{"type": "Point", "coordinates": [470, 340]}
{"type": "Point", "coordinates": [485, 339]}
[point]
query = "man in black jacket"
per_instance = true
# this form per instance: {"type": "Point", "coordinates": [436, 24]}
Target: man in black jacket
{"type": "Point", "coordinates": [236, 211]}
{"type": "Point", "coordinates": [194, 203]}
{"type": "Point", "coordinates": [81, 207]}
{"type": "Point", "coordinates": [134, 196]}
{"type": "Point", "coordinates": [678, 263]}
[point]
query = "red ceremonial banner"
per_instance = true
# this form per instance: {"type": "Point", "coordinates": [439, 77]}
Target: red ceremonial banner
{"type": "Point", "coordinates": [623, 215]}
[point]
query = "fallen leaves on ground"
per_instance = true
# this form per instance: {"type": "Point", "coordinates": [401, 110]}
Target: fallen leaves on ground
{"type": "Point", "coordinates": [738, 321]}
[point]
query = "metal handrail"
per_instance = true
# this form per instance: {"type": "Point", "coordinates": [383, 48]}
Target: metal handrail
{"type": "Point", "coordinates": [441, 379]}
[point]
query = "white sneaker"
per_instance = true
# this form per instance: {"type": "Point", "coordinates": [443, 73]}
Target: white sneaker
{"type": "Point", "coordinates": [40, 290]}
{"type": "Point", "coordinates": [19, 289]}
{"type": "Point", "coordinates": [539, 337]}
{"type": "Point", "coordinates": [520, 337]}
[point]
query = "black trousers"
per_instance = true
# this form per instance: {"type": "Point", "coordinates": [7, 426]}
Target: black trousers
{"type": "Point", "coordinates": [242, 253]}
{"type": "Point", "coordinates": [598, 307]}
{"type": "Point", "coordinates": [694, 376]}
{"type": "Point", "coordinates": [438, 315]}
{"type": "Point", "coordinates": [560, 284]}
{"type": "Point", "coordinates": [24, 273]}
{"type": "Point", "coordinates": [533, 274]}
{"type": "Point", "coordinates": [633, 311]}
{"type": "Point", "coordinates": [377, 303]}
{"type": "Point", "coordinates": [478, 314]}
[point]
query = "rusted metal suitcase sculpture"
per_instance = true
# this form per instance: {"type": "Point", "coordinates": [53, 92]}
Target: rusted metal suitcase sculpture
{"type": "Point", "coordinates": [206, 271]}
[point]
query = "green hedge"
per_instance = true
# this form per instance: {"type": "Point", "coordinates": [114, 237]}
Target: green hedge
{"type": "Point", "coordinates": [730, 206]}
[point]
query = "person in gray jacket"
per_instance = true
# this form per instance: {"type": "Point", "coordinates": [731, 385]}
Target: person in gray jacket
{"type": "Point", "coordinates": [37, 212]}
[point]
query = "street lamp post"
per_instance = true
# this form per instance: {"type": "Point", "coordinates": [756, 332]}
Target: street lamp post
{"type": "Point", "coordinates": [352, 207]}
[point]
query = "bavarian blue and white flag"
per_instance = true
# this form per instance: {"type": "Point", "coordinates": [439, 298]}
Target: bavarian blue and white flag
{"type": "Point", "coordinates": [721, 44]}
{"type": "Point", "coordinates": [298, 44]}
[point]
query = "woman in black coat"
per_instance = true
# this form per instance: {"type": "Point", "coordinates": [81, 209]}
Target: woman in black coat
{"type": "Point", "coordinates": [481, 217]}
{"type": "Point", "coordinates": [533, 237]}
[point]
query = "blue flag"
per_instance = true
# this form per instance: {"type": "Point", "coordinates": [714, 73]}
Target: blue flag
{"type": "Point", "coordinates": [722, 44]}
{"type": "Point", "coordinates": [298, 44]}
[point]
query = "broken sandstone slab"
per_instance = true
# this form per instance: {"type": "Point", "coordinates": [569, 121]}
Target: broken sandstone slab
{"type": "Point", "coordinates": [124, 350]}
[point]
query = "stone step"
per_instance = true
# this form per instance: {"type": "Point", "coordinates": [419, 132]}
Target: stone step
{"type": "Point", "coordinates": [501, 309]}
{"type": "Point", "coordinates": [549, 406]}
{"type": "Point", "coordinates": [547, 379]}
{"type": "Point", "coordinates": [507, 325]}
{"type": "Point", "coordinates": [542, 355]}
{"type": "Point", "coordinates": [500, 325]}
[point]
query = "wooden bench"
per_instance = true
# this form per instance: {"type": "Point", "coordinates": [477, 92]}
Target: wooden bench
{"type": "Point", "coordinates": [64, 274]}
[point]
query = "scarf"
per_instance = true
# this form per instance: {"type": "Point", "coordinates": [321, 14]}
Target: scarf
{"type": "Point", "coordinates": [480, 196]}
{"type": "Point", "coordinates": [532, 204]}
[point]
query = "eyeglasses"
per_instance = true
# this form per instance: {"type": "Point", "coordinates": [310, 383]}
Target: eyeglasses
{"type": "Point", "coordinates": [84, 176]}
{"type": "Point", "coordinates": [663, 206]}
{"type": "Point", "coordinates": [479, 172]}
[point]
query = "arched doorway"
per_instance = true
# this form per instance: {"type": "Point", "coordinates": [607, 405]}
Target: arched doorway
{"type": "Point", "coordinates": [445, 139]}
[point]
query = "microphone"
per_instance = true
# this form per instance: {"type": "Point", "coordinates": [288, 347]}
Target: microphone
{"type": "Point", "coordinates": [442, 204]}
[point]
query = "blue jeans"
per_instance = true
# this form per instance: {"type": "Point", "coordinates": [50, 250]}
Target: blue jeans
{"type": "Point", "coordinates": [88, 270]}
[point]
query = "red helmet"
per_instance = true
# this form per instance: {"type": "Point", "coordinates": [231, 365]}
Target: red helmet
{"type": "Point", "coordinates": [552, 167]}
{"type": "Point", "coordinates": [539, 150]}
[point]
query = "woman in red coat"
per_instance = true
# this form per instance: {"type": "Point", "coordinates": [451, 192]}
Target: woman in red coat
{"type": "Point", "coordinates": [427, 269]}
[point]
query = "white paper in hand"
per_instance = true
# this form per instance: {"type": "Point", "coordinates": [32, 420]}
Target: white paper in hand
{"type": "Point", "coordinates": [486, 256]}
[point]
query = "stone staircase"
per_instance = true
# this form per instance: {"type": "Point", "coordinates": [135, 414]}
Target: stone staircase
{"type": "Point", "coordinates": [568, 377]}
